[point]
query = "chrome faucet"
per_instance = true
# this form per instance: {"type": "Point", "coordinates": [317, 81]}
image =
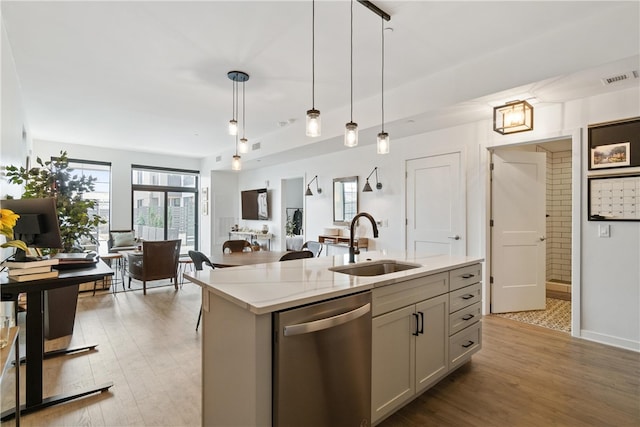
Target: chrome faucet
{"type": "Point", "coordinates": [353, 250]}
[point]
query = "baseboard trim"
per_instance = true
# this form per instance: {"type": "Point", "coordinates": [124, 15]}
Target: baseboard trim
{"type": "Point", "coordinates": [610, 340]}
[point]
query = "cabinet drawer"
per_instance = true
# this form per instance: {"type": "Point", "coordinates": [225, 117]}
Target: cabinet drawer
{"type": "Point", "coordinates": [463, 344]}
{"type": "Point", "coordinates": [464, 297]}
{"type": "Point", "coordinates": [392, 297]}
{"type": "Point", "coordinates": [465, 317]}
{"type": "Point", "coordinates": [465, 276]}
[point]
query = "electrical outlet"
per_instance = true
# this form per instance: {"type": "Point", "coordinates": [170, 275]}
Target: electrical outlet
{"type": "Point", "coordinates": [604, 230]}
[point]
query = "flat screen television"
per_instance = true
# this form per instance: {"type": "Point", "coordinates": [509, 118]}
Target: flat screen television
{"type": "Point", "coordinates": [255, 204]}
{"type": "Point", "coordinates": [38, 224]}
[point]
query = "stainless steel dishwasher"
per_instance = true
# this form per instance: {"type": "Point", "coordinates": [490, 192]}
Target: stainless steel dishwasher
{"type": "Point", "coordinates": [322, 364]}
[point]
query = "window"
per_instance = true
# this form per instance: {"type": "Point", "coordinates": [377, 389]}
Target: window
{"type": "Point", "coordinates": [165, 205]}
{"type": "Point", "coordinates": [101, 195]}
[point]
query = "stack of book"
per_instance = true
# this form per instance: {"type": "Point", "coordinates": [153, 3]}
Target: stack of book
{"type": "Point", "coordinates": [24, 271]}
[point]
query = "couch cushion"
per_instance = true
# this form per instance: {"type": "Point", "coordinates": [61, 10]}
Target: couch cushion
{"type": "Point", "coordinates": [123, 239]}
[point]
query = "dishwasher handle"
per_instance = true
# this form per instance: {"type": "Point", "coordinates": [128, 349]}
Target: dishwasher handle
{"type": "Point", "coordinates": [329, 322]}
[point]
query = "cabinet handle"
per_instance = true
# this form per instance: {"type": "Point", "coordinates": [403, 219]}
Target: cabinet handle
{"type": "Point", "coordinates": [467, 276]}
{"type": "Point", "coordinates": [469, 344]}
{"type": "Point", "coordinates": [467, 296]}
{"type": "Point", "coordinates": [417, 332]}
{"type": "Point", "coordinates": [468, 316]}
{"type": "Point", "coordinates": [421, 330]}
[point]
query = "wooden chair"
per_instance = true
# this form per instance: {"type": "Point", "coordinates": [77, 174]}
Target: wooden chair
{"type": "Point", "coordinates": [236, 246]}
{"type": "Point", "coordinates": [159, 260]}
{"type": "Point", "coordinates": [315, 247]}
{"type": "Point", "coordinates": [296, 255]}
{"type": "Point", "coordinates": [198, 259]}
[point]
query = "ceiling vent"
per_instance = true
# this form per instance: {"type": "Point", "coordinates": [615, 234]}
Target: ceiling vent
{"type": "Point", "coordinates": [218, 158]}
{"type": "Point", "coordinates": [255, 146]}
{"type": "Point", "coordinates": [620, 77]}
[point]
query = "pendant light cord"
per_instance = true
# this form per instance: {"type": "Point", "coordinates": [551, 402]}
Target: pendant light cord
{"type": "Point", "coordinates": [382, 74]}
{"type": "Point", "coordinates": [243, 120]}
{"type": "Point", "coordinates": [313, 55]}
{"type": "Point", "coordinates": [351, 78]}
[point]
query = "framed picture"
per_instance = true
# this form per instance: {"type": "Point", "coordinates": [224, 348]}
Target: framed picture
{"type": "Point", "coordinates": [611, 155]}
{"type": "Point", "coordinates": [614, 145]}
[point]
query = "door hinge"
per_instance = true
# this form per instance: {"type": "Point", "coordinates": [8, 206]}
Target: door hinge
{"type": "Point", "coordinates": [490, 166]}
{"type": "Point", "coordinates": [406, 221]}
{"type": "Point", "coordinates": [491, 223]}
{"type": "Point", "coordinates": [491, 280]}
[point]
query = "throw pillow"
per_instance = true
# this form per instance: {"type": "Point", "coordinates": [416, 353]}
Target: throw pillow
{"type": "Point", "coordinates": [123, 239]}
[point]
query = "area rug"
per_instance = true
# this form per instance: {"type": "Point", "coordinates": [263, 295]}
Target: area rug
{"type": "Point", "coordinates": [557, 315]}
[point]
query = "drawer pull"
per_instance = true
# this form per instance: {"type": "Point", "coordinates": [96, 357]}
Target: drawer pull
{"type": "Point", "coordinates": [469, 344]}
{"type": "Point", "coordinates": [417, 332]}
{"type": "Point", "coordinates": [468, 317]}
{"type": "Point", "coordinates": [468, 276]}
{"type": "Point", "coordinates": [421, 330]}
{"type": "Point", "coordinates": [468, 296]}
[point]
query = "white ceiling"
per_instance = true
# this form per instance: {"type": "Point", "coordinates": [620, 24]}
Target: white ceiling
{"type": "Point", "coordinates": [152, 75]}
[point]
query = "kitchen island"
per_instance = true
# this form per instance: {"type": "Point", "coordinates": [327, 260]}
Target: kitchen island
{"type": "Point", "coordinates": [238, 304]}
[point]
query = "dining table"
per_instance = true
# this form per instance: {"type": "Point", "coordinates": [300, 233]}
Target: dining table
{"type": "Point", "coordinates": [235, 259]}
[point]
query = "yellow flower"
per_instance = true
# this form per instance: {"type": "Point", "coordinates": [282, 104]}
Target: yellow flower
{"type": "Point", "coordinates": [8, 220]}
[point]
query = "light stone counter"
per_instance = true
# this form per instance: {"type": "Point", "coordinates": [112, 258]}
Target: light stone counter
{"type": "Point", "coordinates": [265, 288]}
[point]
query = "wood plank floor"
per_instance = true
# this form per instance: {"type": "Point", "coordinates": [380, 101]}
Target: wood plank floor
{"type": "Point", "coordinates": [524, 375]}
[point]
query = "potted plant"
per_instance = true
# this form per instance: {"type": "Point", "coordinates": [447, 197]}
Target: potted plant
{"type": "Point", "coordinates": [55, 179]}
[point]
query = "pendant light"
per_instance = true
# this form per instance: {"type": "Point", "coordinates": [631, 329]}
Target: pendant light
{"type": "Point", "coordinates": [351, 128]}
{"type": "Point", "coordinates": [237, 77]}
{"type": "Point", "coordinates": [383, 137]}
{"type": "Point", "coordinates": [313, 115]}
{"type": "Point", "coordinates": [244, 142]}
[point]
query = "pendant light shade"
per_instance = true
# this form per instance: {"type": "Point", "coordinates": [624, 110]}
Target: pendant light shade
{"type": "Point", "coordinates": [236, 165]}
{"type": "Point", "coordinates": [313, 123]}
{"type": "Point", "coordinates": [313, 115]}
{"type": "Point", "coordinates": [351, 128]}
{"type": "Point", "coordinates": [351, 134]}
{"type": "Point", "coordinates": [243, 148]}
{"type": "Point", "coordinates": [233, 127]}
{"type": "Point", "coordinates": [383, 143]}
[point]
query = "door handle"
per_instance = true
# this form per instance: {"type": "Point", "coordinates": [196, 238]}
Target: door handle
{"type": "Point", "coordinates": [543, 238]}
{"type": "Point", "coordinates": [417, 332]}
{"type": "Point", "coordinates": [456, 237]}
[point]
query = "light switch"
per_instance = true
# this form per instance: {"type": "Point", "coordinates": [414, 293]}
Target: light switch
{"type": "Point", "coordinates": [603, 230]}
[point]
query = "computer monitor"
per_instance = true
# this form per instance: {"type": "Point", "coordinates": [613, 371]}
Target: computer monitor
{"type": "Point", "coordinates": [38, 224]}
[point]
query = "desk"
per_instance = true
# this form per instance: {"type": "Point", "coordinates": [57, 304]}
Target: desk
{"type": "Point", "coordinates": [34, 335]}
{"type": "Point", "coordinates": [235, 259]}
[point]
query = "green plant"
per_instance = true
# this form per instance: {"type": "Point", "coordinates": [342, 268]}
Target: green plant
{"type": "Point", "coordinates": [289, 226]}
{"type": "Point", "coordinates": [55, 179]}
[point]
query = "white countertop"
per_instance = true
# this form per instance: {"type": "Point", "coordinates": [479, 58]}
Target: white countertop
{"type": "Point", "coordinates": [265, 288]}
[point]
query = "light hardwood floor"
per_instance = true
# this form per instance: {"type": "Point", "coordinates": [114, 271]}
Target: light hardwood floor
{"type": "Point", "coordinates": [524, 376]}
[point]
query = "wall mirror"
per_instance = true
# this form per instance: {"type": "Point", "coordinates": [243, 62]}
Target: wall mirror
{"type": "Point", "coordinates": [345, 199]}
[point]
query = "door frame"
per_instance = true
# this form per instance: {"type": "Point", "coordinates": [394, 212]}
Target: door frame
{"type": "Point", "coordinates": [575, 135]}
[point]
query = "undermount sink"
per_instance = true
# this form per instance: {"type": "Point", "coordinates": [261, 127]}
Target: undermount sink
{"type": "Point", "coordinates": [375, 268]}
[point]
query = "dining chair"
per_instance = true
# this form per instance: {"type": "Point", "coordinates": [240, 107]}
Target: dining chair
{"type": "Point", "coordinates": [239, 245]}
{"type": "Point", "coordinates": [198, 259]}
{"type": "Point", "coordinates": [159, 260]}
{"type": "Point", "coordinates": [313, 246]}
{"type": "Point", "coordinates": [296, 255]}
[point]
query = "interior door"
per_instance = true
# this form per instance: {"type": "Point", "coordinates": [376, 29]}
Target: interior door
{"type": "Point", "coordinates": [436, 205]}
{"type": "Point", "coordinates": [518, 250]}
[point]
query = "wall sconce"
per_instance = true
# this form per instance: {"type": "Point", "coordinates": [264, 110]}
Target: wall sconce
{"type": "Point", "coordinates": [367, 187]}
{"type": "Point", "coordinates": [513, 117]}
{"type": "Point", "coordinates": [318, 189]}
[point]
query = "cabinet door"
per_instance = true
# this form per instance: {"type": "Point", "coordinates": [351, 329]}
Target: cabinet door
{"type": "Point", "coordinates": [432, 343]}
{"type": "Point", "coordinates": [393, 361]}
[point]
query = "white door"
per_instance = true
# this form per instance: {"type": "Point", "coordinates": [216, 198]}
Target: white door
{"type": "Point", "coordinates": [436, 205]}
{"type": "Point", "coordinates": [518, 206]}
